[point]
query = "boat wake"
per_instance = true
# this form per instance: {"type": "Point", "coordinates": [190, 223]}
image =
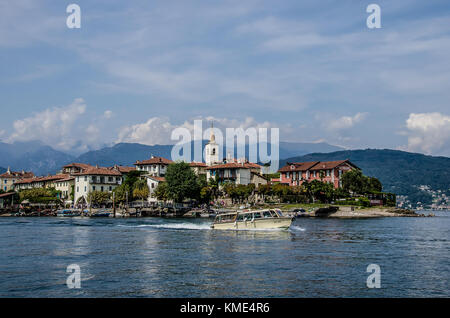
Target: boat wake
{"type": "Point", "coordinates": [172, 226]}
{"type": "Point", "coordinates": [296, 228]}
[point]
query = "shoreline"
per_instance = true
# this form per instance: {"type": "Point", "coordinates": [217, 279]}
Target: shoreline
{"type": "Point", "coordinates": [375, 212]}
{"type": "Point", "coordinates": [342, 212]}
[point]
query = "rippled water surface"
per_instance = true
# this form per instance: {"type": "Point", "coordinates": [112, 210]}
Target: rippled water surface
{"type": "Point", "coordinates": [153, 257]}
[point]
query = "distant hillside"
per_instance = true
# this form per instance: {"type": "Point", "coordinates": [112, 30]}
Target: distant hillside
{"type": "Point", "coordinates": [2, 170]}
{"type": "Point", "coordinates": [123, 154]}
{"type": "Point", "coordinates": [128, 153]}
{"type": "Point", "coordinates": [400, 172]}
{"type": "Point", "coordinates": [293, 149]}
{"type": "Point", "coordinates": [32, 156]}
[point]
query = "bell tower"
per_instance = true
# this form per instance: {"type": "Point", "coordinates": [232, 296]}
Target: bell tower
{"type": "Point", "coordinates": [212, 149]}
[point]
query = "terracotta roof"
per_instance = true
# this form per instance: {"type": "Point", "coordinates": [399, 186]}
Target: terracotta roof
{"type": "Point", "coordinates": [43, 179]}
{"type": "Point", "coordinates": [330, 164]}
{"type": "Point", "coordinates": [159, 179]}
{"type": "Point", "coordinates": [16, 174]}
{"type": "Point", "coordinates": [231, 165]}
{"type": "Point", "coordinates": [154, 160]}
{"type": "Point", "coordinates": [122, 169]}
{"type": "Point", "coordinates": [66, 179]}
{"type": "Point", "coordinates": [99, 171]}
{"type": "Point", "coordinates": [28, 180]}
{"type": "Point", "coordinates": [298, 166]}
{"type": "Point", "coordinates": [313, 165]}
{"type": "Point", "coordinates": [78, 165]}
{"type": "Point", "coordinates": [197, 164]}
{"type": "Point", "coordinates": [253, 165]}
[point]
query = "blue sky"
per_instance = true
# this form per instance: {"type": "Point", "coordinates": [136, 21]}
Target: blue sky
{"type": "Point", "coordinates": [138, 69]}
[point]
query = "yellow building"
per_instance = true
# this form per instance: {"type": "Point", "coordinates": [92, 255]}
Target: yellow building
{"type": "Point", "coordinates": [9, 178]}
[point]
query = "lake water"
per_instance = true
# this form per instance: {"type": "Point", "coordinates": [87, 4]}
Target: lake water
{"type": "Point", "coordinates": [154, 257]}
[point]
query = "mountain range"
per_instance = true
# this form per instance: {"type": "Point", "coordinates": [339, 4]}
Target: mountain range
{"type": "Point", "coordinates": [43, 159]}
{"type": "Point", "coordinates": [32, 156]}
{"type": "Point", "coordinates": [400, 172]}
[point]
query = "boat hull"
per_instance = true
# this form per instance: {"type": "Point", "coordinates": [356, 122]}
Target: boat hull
{"type": "Point", "coordinates": [258, 224]}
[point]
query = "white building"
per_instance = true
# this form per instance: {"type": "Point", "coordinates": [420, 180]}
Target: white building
{"type": "Point", "coordinates": [95, 179]}
{"type": "Point", "coordinates": [153, 183]}
{"type": "Point", "coordinates": [212, 150]}
{"type": "Point", "coordinates": [155, 166]}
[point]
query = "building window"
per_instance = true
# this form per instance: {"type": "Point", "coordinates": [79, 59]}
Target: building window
{"type": "Point", "coordinates": [110, 188]}
{"type": "Point", "coordinates": [85, 178]}
{"type": "Point", "coordinates": [93, 188]}
{"type": "Point", "coordinates": [85, 189]}
{"type": "Point", "coordinates": [328, 173]}
{"type": "Point", "coordinates": [78, 189]}
{"type": "Point", "coordinates": [101, 188]}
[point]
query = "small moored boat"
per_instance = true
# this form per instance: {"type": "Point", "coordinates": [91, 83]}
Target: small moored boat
{"type": "Point", "coordinates": [68, 212]}
{"type": "Point", "coordinates": [247, 220]}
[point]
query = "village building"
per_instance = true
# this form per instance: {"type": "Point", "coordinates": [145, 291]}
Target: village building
{"type": "Point", "coordinates": [212, 150]}
{"type": "Point", "coordinates": [74, 168]}
{"type": "Point", "coordinates": [123, 169]}
{"type": "Point", "coordinates": [199, 168]}
{"type": "Point", "coordinates": [9, 178]}
{"type": "Point", "coordinates": [95, 179]}
{"type": "Point", "coordinates": [66, 186]}
{"type": "Point", "coordinates": [237, 172]}
{"type": "Point", "coordinates": [152, 183]}
{"type": "Point", "coordinates": [155, 166]}
{"type": "Point", "coordinates": [6, 199]}
{"type": "Point", "coordinates": [39, 182]}
{"type": "Point", "coordinates": [296, 173]}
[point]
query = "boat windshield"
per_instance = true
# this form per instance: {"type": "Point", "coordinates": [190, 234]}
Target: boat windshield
{"type": "Point", "coordinates": [267, 214]}
{"type": "Point", "coordinates": [257, 215]}
{"type": "Point", "coordinates": [225, 218]}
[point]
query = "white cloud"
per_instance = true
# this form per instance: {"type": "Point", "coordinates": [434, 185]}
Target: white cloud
{"type": "Point", "coordinates": [53, 126]}
{"type": "Point", "coordinates": [429, 133]}
{"type": "Point", "coordinates": [158, 130]}
{"type": "Point", "coordinates": [64, 128]}
{"type": "Point", "coordinates": [107, 114]}
{"type": "Point", "coordinates": [154, 131]}
{"type": "Point", "coordinates": [345, 122]}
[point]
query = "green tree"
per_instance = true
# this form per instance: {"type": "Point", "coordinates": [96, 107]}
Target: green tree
{"type": "Point", "coordinates": [358, 183]}
{"type": "Point", "coordinates": [39, 195]}
{"type": "Point", "coordinates": [120, 193]}
{"type": "Point", "coordinates": [354, 181]}
{"type": "Point", "coordinates": [265, 190]}
{"type": "Point", "coordinates": [98, 197]}
{"type": "Point", "coordinates": [182, 182]}
{"type": "Point", "coordinates": [161, 192]}
{"type": "Point", "coordinates": [374, 185]}
{"type": "Point", "coordinates": [140, 190]}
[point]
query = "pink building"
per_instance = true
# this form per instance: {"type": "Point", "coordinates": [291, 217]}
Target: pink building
{"type": "Point", "coordinates": [295, 173]}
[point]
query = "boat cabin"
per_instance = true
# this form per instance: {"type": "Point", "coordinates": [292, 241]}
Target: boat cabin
{"type": "Point", "coordinates": [247, 216]}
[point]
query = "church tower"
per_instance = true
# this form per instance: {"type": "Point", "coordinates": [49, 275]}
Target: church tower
{"type": "Point", "coordinates": [212, 150]}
